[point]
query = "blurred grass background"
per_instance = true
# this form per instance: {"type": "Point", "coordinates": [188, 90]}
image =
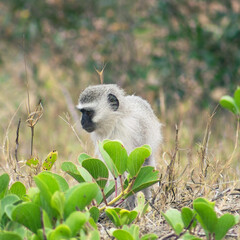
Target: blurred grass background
{"type": "Point", "coordinates": [181, 56]}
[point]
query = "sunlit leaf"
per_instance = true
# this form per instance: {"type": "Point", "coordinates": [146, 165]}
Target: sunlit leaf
{"type": "Point", "coordinates": [97, 169]}
{"type": "Point", "coordinates": [18, 188]}
{"type": "Point", "coordinates": [118, 154]}
{"type": "Point", "coordinates": [50, 160]}
{"type": "Point", "coordinates": [4, 181]}
{"type": "Point", "coordinates": [136, 159]}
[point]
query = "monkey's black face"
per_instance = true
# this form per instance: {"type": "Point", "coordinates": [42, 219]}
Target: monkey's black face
{"type": "Point", "coordinates": [87, 123]}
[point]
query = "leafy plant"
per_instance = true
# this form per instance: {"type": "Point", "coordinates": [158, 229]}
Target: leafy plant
{"type": "Point", "coordinates": [203, 213]}
{"type": "Point", "coordinates": [232, 103]}
{"type": "Point", "coordinates": [128, 169]}
{"type": "Point", "coordinates": [131, 233]}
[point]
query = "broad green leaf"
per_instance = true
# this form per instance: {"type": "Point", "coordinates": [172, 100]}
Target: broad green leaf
{"type": "Point", "coordinates": [82, 157]}
{"type": "Point", "coordinates": [112, 214]}
{"type": "Point", "coordinates": [57, 202]}
{"type": "Point", "coordinates": [63, 185]}
{"type": "Point", "coordinates": [107, 159]}
{"type": "Point", "coordinates": [127, 217]}
{"type": "Point", "coordinates": [47, 186]}
{"type": "Point", "coordinates": [4, 235]}
{"type": "Point", "coordinates": [208, 217]}
{"type": "Point", "coordinates": [225, 222]}
{"type": "Point", "coordinates": [75, 221]}
{"type": "Point", "coordinates": [141, 207]}
{"type": "Point", "coordinates": [136, 160]}
{"type": "Point", "coordinates": [18, 188]}
{"type": "Point", "coordinates": [237, 97]}
{"type": "Point", "coordinates": [98, 170]}
{"type": "Point", "coordinates": [29, 215]}
{"type": "Point", "coordinates": [4, 181]}
{"type": "Point", "coordinates": [62, 231]}
{"type": "Point", "coordinates": [174, 219]}
{"type": "Point", "coordinates": [122, 235]}
{"type": "Point", "coordinates": [50, 160]}
{"type": "Point", "coordinates": [133, 230]}
{"type": "Point", "coordinates": [204, 200]}
{"type": "Point", "coordinates": [71, 169]}
{"type": "Point", "coordinates": [118, 154]}
{"type": "Point", "coordinates": [229, 103]}
{"type": "Point", "coordinates": [78, 197]}
{"type": "Point", "coordinates": [94, 212]}
{"type": "Point", "coordinates": [145, 178]}
{"type": "Point", "coordinates": [49, 180]}
{"type": "Point", "coordinates": [188, 236]}
{"type": "Point", "coordinates": [32, 162]}
{"type": "Point", "coordinates": [187, 216]}
{"type": "Point", "coordinates": [150, 236]}
{"type": "Point", "coordinates": [7, 200]}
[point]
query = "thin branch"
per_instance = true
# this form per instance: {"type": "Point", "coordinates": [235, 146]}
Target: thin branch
{"type": "Point", "coordinates": [17, 140]}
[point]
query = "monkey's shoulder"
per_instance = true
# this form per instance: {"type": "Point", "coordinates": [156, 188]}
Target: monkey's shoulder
{"type": "Point", "coordinates": [138, 103]}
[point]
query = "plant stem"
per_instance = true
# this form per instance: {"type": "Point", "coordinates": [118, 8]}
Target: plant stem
{"type": "Point", "coordinates": [32, 131]}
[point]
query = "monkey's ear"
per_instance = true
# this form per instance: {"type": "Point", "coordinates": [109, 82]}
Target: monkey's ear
{"type": "Point", "coordinates": [113, 101]}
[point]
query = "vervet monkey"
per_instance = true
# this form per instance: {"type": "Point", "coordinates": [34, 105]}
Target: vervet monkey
{"type": "Point", "coordinates": [108, 113]}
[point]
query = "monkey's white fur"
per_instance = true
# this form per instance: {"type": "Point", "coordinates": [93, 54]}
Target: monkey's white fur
{"type": "Point", "coordinates": [133, 123]}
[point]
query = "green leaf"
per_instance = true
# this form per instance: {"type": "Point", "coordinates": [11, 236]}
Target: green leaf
{"type": "Point", "coordinates": [75, 221]}
{"type": "Point", "coordinates": [187, 216]}
{"type": "Point", "coordinates": [188, 236]}
{"type": "Point", "coordinates": [4, 181]}
{"type": "Point", "coordinates": [82, 157]}
{"type": "Point", "coordinates": [4, 235]}
{"type": "Point", "coordinates": [10, 199]}
{"type": "Point", "coordinates": [19, 189]}
{"type": "Point", "coordinates": [145, 178]}
{"type": "Point", "coordinates": [208, 217]}
{"type": "Point", "coordinates": [98, 170]}
{"type": "Point", "coordinates": [174, 219]}
{"type": "Point", "coordinates": [62, 231]}
{"type": "Point", "coordinates": [107, 159]}
{"type": "Point", "coordinates": [78, 197]}
{"type": "Point", "coordinates": [136, 160]}
{"type": "Point", "coordinates": [62, 183]}
{"type": "Point", "coordinates": [32, 161]}
{"type": "Point", "coordinates": [133, 230]}
{"type": "Point", "coordinates": [122, 235]}
{"type": "Point", "coordinates": [225, 222]}
{"type": "Point", "coordinates": [29, 215]}
{"type": "Point", "coordinates": [71, 169]}
{"type": "Point", "coordinates": [150, 236]}
{"type": "Point", "coordinates": [127, 217]}
{"type": "Point", "coordinates": [94, 212]}
{"type": "Point", "coordinates": [50, 160]}
{"type": "Point", "coordinates": [229, 103]}
{"type": "Point", "coordinates": [47, 186]}
{"type": "Point", "coordinates": [57, 202]}
{"type": "Point", "coordinates": [237, 98]}
{"type": "Point", "coordinates": [118, 154]}
{"type": "Point", "coordinates": [204, 200]}
{"type": "Point", "coordinates": [112, 214]}
{"type": "Point", "coordinates": [49, 180]}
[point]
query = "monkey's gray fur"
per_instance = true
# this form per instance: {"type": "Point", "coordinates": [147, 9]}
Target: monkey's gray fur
{"type": "Point", "coordinates": [117, 116]}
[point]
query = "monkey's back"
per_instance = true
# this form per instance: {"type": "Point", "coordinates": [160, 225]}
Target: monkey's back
{"type": "Point", "coordinates": [146, 122]}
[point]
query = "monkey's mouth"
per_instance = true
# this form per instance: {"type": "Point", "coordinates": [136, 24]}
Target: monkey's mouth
{"type": "Point", "coordinates": [89, 128]}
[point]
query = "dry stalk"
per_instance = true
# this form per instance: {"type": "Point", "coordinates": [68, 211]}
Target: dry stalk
{"type": "Point", "coordinates": [67, 121]}
{"type": "Point", "coordinates": [32, 119]}
{"type": "Point", "coordinates": [100, 73]}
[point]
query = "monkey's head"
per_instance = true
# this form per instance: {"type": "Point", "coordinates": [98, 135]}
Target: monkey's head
{"type": "Point", "coordinates": [99, 106]}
